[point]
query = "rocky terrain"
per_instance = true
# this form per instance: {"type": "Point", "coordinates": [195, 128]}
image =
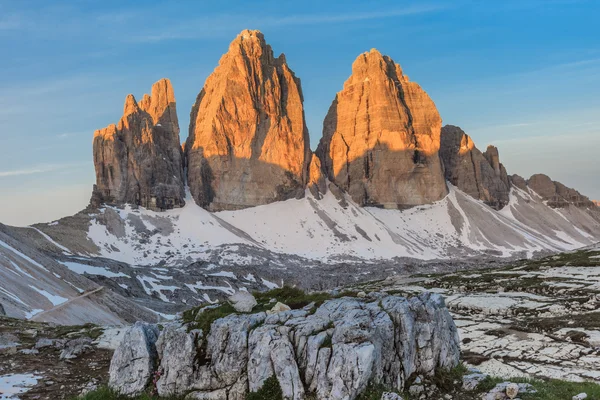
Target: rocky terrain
{"type": "Point", "coordinates": [531, 319]}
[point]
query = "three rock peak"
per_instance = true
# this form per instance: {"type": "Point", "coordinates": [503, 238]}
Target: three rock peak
{"type": "Point", "coordinates": [248, 143]}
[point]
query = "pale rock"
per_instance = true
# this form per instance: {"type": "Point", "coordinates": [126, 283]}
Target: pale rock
{"type": "Point", "coordinates": [242, 301]}
{"type": "Point", "coordinates": [556, 194]}
{"type": "Point", "coordinates": [391, 396]}
{"type": "Point", "coordinates": [381, 137]}
{"type": "Point", "coordinates": [177, 350]}
{"type": "Point", "coordinates": [512, 390]}
{"type": "Point", "coordinates": [279, 307]}
{"type": "Point", "coordinates": [580, 396]}
{"type": "Point", "coordinates": [335, 352]}
{"type": "Point", "coordinates": [471, 381]}
{"type": "Point", "coordinates": [133, 363]}
{"type": "Point", "coordinates": [248, 142]}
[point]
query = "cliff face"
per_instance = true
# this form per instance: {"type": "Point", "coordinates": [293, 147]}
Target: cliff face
{"type": "Point", "coordinates": [139, 160]}
{"type": "Point", "coordinates": [556, 194]}
{"type": "Point", "coordinates": [248, 142]}
{"type": "Point", "coordinates": [381, 137]}
{"type": "Point", "coordinates": [480, 175]}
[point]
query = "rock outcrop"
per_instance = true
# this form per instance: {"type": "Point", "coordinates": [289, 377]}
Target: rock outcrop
{"type": "Point", "coordinates": [139, 160]}
{"type": "Point", "coordinates": [248, 142]}
{"type": "Point", "coordinates": [133, 363]}
{"type": "Point", "coordinates": [381, 137]}
{"type": "Point", "coordinates": [480, 175]}
{"type": "Point", "coordinates": [556, 194]}
{"type": "Point", "coordinates": [334, 352]}
{"type": "Point", "coordinates": [518, 181]}
{"type": "Point", "coordinates": [317, 183]}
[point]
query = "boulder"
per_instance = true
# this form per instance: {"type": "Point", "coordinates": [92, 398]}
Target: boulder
{"type": "Point", "coordinates": [381, 137]}
{"type": "Point", "coordinates": [279, 307]}
{"type": "Point", "coordinates": [391, 396]}
{"type": "Point", "coordinates": [134, 362]}
{"type": "Point", "coordinates": [139, 160]}
{"type": "Point", "coordinates": [242, 301]}
{"type": "Point", "coordinates": [248, 142]}
{"type": "Point", "coordinates": [512, 390]}
{"type": "Point", "coordinates": [480, 175]}
{"type": "Point", "coordinates": [518, 181]}
{"type": "Point", "coordinates": [335, 352]}
{"type": "Point", "coordinates": [2, 312]}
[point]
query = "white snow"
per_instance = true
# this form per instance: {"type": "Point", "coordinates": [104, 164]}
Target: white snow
{"type": "Point", "coordinates": [155, 287]}
{"type": "Point", "coordinates": [225, 274]}
{"type": "Point", "coordinates": [89, 269]}
{"type": "Point", "coordinates": [48, 238]}
{"type": "Point", "coordinates": [52, 298]}
{"type": "Point", "coordinates": [268, 284]}
{"type": "Point", "coordinates": [328, 231]}
{"type": "Point", "coordinates": [23, 272]}
{"type": "Point", "coordinates": [32, 313]}
{"type": "Point", "coordinates": [12, 385]}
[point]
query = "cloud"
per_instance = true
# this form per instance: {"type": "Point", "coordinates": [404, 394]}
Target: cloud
{"type": "Point", "coordinates": [211, 26]}
{"type": "Point", "coordinates": [40, 169]}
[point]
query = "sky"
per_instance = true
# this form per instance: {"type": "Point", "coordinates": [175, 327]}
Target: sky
{"type": "Point", "coordinates": [523, 75]}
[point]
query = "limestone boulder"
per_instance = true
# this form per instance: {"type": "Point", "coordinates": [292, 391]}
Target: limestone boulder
{"type": "Point", "coordinates": [381, 137]}
{"type": "Point", "coordinates": [134, 361]}
{"type": "Point", "coordinates": [139, 160]}
{"type": "Point", "coordinates": [248, 143]}
{"type": "Point", "coordinates": [332, 352]}
{"type": "Point", "coordinates": [480, 175]}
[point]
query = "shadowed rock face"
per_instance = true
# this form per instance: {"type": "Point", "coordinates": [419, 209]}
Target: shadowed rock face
{"type": "Point", "coordinates": [248, 142]}
{"type": "Point", "coordinates": [480, 175]}
{"type": "Point", "coordinates": [381, 137]}
{"type": "Point", "coordinates": [556, 194]}
{"type": "Point", "coordinates": [139, 160]}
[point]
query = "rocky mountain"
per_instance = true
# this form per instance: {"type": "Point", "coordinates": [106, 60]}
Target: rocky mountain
{"type": "Point", "coordinates": [556, 194]}
{"type": "Point", "coordinates": [139, 160]}
{"type": "Point", "coordinates": [261, 210]}
{"type": "Point", "coordinates": [248, 142]}
{"type": "Point", "coordinates": [480, 175]}
{"type": "Point", "coordinates": [381, 137]}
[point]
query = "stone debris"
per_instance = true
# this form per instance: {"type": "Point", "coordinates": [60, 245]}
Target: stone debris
{"type": "Point", "coordinates": [74, 348]}
{"type": "Point", "coordinates": [391, 396]}
{"type": "Point", "coordinates": [580, 396]}
{"type": "Point", "coordinates": [335, 352]}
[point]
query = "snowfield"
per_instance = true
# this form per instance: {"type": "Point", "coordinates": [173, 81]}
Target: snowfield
{"type": "Point", "coordinates": [336, 229]}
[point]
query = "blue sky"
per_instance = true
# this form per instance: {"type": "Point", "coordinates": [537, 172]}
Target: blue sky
{"type": "Point", "coordinates": [523, 75]}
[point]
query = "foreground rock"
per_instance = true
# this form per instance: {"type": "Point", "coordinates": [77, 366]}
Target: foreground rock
{"type": "Point", "coordinates": [248, 142]}
{"type": "Point", "coordinates": [133, 362]}
{"type": "Point", "coordinates": [381, 137]}
{"type": "Point", "coordinates": [480, 175]}
{"type": "Point", "coordinates": [139, 160]}
{"type": "Point", "coordinates": [334, 352]}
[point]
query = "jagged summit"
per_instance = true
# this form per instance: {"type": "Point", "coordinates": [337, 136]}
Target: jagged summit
{"type": "Point", "coordinates": [139, 160]}
{"type": "Point", "coordinates": [381, 137]}
{"type": "Point", "coordinates": [248, 143]}
{"type": "Point", "coordinates": [480, 175]}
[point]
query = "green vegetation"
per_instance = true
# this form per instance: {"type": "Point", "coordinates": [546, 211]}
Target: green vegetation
{"type": "Point", "coordinates": [105, 393]}
{"type": "Point", "coordinates": [203, 317]}
{"type": "Point", "coordinates": [269, 391]}
{"type": "Point", "coordinates": [374, 392]}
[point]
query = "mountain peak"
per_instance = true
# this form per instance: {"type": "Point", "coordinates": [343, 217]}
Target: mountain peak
{"type": "Point", "coordinates": [248, 142]}
{"type": "Point", "coordinates": [381, 137]}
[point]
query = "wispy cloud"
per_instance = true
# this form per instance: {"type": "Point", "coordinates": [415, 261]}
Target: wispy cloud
{"type": "Point", "coordinates": [40, 169]}
{"type": "Point", "coordinates": [211, 26]}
